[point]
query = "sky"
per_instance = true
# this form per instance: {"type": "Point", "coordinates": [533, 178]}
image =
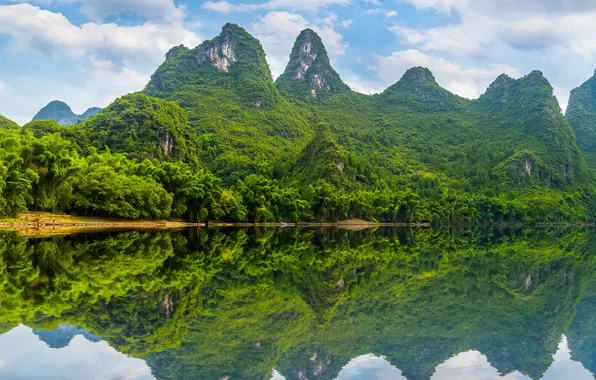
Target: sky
{"type": "Point", "coordinates": [89, 52]}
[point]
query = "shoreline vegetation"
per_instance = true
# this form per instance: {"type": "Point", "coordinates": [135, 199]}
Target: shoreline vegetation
{"type": "Point", "coordinates": [41, 224]}
{"type": "Point", "coordinates": [64, 223]}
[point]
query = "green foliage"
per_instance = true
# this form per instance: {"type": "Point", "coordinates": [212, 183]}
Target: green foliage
{"type": "Point", "coordinates": [48, 174]}
{"type": "Point", "coordinates": [581, 113]}
{"type": "Point", "coordinates": [7, 123]}
{"type": "Point", "coordinates": [103, 188]}
{"type": "Point", "coordinates": [144, 128]}
{"type": "Point", "coordinates": [221, 143]}
{"type": "Point", "coordinates": [211, 304]}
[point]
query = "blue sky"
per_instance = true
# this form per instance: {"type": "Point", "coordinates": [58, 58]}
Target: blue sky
{"type": "Point", "coordinates": [89, 52]}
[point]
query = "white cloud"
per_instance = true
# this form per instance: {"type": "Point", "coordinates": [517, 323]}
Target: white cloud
{"type": "Point", "coordinates": [471, 365]}
{"type": "Point", "coordinates": [347, 23]}
{"type": "Point", "coordinates": [330, 20]}
{"type": "Point", "coordinates": [52, 34]}
{"type": "Point", "coordinates": [312, 5]}
{"type": "Point", "coordinates": [380, 11]}
{"type": "Point", "coordinates": [551, 35]}
{"type": "Point", "coordinates": [218, 6]}
{"type": "Point", "coordinates": [532, 24]}
{"type": "Point", "coordinates": [469, 83]}
{"type": "Point", "coordinates": [441, 5]}
{"type": "Point", "coordinates": [101, 61]}
{"type": "Point", "coordinates": [278, 30]}
{"type": "Point", "coordinates": [26, 356]}
{"type": "Point", "coordinates": [408, 35]}
{"type": "Point", "coordinates": [365, 88]}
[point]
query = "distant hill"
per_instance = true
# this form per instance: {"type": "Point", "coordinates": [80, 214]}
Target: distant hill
{"type": "Point", "coordinates": [61, 337]}
{"type": "Point", "coordinates": [61, 112]}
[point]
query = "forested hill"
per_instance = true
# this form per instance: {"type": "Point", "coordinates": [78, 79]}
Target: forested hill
{"type": "Point", "coordinates": [213, 137]}
{"type": "Point", "coordinates": [581, 113]}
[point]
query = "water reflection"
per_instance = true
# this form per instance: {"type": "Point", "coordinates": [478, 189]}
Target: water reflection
{"type": "Point", "coordinates": [25, 357]}
{"type": "Point", "coordinates": [322, 304]}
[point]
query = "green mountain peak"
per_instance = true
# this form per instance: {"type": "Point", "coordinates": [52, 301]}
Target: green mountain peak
{"type": "Point", "coordinates": [234, 60]}
{"type": "Point", "coordinates": [418, 90]}
{"type": "Point", "coordinates": [309, 74]}
{"type": "Point", "coordinates": [175, 52]}
{"type": "Point", "coordinates": [581, 114]}
{"type": "Point", "coordinates": [418, 76]}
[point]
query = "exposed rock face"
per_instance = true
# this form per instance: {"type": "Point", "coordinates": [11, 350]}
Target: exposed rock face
{"type": "Point", "coordinates": [309, 74]}
{"type": "Point", "coordinates": [234, 57]}
{"type": "Point", "coordinates": [167, 145]}
{"type": "Point", "coordinates": [528, 167]}
{"type": "Point", "coordinates": [61, 112]}
{"type": "Point", "coordinates": [220, 53]}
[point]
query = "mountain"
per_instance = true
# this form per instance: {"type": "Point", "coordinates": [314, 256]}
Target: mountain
{"type": "Point", "coordinates": [419, 90]}
{"type": "Point", "coordinates": [512, 145]}
{"type": "Point", "coordinates": [309, 75]}
{"type": "Point", "coordinates": [581, 114]}
{"type": "Point", "coordinates": [7, 123]}
{"type": "Point", "coordinates": [233, 60]}
{"type": "Point", "coordinates": [581, 338]}
{"type": "Point", "coordinates": [527, 115]}
{"type": "Point", "coordinates": [307, 148]}
{"type": "Point", "coordinates": [61, 112]}
{"type": "Point", "coordinates": [225, 86]}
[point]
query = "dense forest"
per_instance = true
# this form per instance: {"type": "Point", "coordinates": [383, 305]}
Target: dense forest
{"type": "Point", "coordinates": [238, 303]}
{"type": "Point", "coordinates": [213, 137]}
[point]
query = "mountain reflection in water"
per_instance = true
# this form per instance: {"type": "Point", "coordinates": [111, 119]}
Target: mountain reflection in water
{"type": "Point", "coordinates": [299, 304]}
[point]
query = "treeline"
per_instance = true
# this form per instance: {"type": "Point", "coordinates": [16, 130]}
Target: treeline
{"type": "Point", "coordinates": [50, 174]}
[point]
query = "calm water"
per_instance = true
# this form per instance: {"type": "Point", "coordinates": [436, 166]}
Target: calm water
{"type": "Point", "coordinates": [299, 304]}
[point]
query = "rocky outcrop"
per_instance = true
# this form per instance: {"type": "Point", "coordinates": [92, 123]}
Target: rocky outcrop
{"type": "Point", "coordinates": [219, 53]}
{"type": "Point", "coordinates": [309, 75]}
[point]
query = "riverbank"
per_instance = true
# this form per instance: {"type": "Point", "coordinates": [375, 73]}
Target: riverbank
{"type": "Point", "coordinates": [43, 224]}
{"type": "Point", "coordinates": [46, 224]}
